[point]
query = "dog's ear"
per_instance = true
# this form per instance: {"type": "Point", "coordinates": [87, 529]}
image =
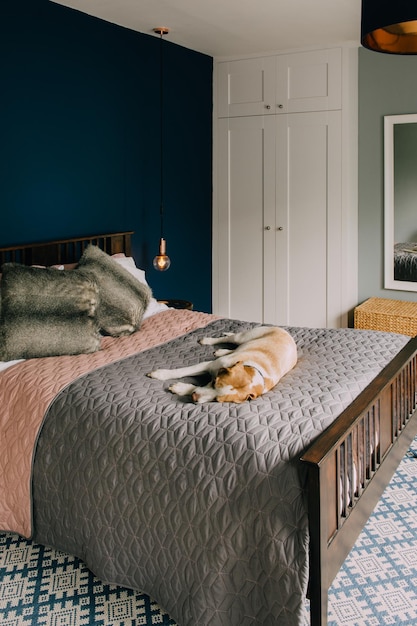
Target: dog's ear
{"type": "Point", "coordinates": [238, 367]}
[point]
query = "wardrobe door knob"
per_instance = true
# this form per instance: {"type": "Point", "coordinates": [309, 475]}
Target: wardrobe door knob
{"type": "Point", "coordinates": [267, 228]}
{"type": "Point", "coordinates": [280, 106]}
{"type": "Point", "coordinates": [267, 106]}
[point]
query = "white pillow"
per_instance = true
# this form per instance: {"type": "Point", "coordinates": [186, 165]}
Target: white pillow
{"type": "Point", "coordinates": [129, 264]}
{"type": "Point", "coordinates": [5, 364]}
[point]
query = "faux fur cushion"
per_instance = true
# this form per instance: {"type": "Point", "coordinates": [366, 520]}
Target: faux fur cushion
{"type": "Point", "coordinates": [46, 312]}
{"type": "Point", "coordinates": [123, 299]}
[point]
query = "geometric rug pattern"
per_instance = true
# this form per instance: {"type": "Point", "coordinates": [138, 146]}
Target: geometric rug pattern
{"type": "Point", "coordinates": [376, 586]}
{"type": "Point", "coordinates": [377, 583]}
{"type": "Point", "coordinates": [41, 586]}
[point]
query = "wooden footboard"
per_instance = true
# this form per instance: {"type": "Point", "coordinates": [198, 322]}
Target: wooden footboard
{"type": "Point", "coordinates": [351, 463]}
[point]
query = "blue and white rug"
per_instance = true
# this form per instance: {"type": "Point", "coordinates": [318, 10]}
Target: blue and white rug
{"type": "Point", "coordinates": [376, 586]}
{"type": "Point", "coordinates": [41, 586]}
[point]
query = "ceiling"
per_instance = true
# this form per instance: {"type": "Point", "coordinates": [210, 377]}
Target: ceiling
{"type": "Point", "coordinates": [234, 27]}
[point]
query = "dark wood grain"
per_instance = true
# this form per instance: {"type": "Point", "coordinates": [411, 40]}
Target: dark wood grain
{"type": "Point", "coordinates": [64, 251]}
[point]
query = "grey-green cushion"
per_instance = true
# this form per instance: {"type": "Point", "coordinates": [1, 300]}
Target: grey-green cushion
{"type": "Point", "coordinates": [46, 312]}
{"type": "Point", "coordinates": [123, 299]}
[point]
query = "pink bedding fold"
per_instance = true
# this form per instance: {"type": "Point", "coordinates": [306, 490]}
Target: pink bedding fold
{"type": "Point", "coordinates": [28, 388]}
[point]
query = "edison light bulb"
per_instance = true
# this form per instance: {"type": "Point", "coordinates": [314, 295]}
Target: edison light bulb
{"type": "Point", "coordinates": [162, 261]}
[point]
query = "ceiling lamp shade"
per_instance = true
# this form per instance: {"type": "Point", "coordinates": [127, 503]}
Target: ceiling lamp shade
{"type": "Point", "coordinates": [389, 26]}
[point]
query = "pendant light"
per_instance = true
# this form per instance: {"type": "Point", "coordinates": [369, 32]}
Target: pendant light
{"type": "Point", "coordinates": [389, 26]}
{"type": "Point", "coordinates": [162, 261]}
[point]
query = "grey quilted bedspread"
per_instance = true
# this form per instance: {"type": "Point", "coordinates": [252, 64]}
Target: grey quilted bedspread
{"type": "Point", "coordinates": [200, 506]}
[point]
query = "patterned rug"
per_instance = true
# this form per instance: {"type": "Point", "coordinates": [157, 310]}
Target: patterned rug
{"type": "Point", "coordinates": [377, 584]}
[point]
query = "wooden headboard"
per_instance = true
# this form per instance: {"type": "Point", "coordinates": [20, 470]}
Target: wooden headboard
{"type": "Point", "coordinates": [65, 250]}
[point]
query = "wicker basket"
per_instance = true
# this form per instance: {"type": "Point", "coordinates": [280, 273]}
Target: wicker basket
{"type": "Point", "coordinates": [395, 316]}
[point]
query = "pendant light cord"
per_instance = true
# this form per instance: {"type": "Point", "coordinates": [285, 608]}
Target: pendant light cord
{"type": "Point", "coordinates": [161, 77]}
{"type": "Point", "coordinates": [162, 261]}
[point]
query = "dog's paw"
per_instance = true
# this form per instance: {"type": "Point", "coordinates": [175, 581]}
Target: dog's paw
{"type": "Point", "coordinates": [206, 341]}
{"type": "Point", "coordinates": [182, 389]}
{"type": "Point", "coordinates": [222, 352]}
{"type": "Point", "coordinates": [160, 374]}
{"type": "Point", "coordinates": [204, 394]}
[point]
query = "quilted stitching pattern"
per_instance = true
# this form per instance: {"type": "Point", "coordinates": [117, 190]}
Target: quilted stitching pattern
{"type": "Point", "coordinates": [201, 506]}
{"type": "Point", "coordinates": [26, 390]}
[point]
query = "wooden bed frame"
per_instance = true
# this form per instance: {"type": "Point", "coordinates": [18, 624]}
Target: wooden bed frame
{"type": "Point", "coordinates": [65, 250]}
{"type": "Point", "coordinates": [370, 437]}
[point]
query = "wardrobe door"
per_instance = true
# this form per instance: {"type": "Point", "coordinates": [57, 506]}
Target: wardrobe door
{"type": "Point", "coordinates": [309, 81]}
{"type": "Point", "coordinates": [308, 218]}
{"type": "Point", "coordinates": [246, 87]}
{"type": "Point", "coordinates": [246, 218]}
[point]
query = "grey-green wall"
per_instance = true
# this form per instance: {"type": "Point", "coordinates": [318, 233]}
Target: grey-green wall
{"type": "Point", "coordinates": [387, 86]}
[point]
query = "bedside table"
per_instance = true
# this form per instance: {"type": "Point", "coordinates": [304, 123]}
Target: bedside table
{"type": "Point", "coordinates": [178, 304]}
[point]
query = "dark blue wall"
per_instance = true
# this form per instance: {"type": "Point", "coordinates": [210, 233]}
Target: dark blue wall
{"type": "Point", "coordinates": [80, 140]}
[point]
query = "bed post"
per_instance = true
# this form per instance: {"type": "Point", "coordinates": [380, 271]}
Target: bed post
{"type": "Point", "coordinates": [317, 589]}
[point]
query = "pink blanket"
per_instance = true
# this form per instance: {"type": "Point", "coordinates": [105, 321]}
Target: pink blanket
{"type": "Point", "coordinates": [28, 388]}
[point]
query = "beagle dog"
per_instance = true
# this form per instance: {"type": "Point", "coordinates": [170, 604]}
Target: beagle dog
{"type": "Point", "coordinates": [263, 356]}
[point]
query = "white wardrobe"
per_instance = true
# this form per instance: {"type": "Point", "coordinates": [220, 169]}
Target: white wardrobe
{"type": "Point", "coordinates": [285, 188]}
